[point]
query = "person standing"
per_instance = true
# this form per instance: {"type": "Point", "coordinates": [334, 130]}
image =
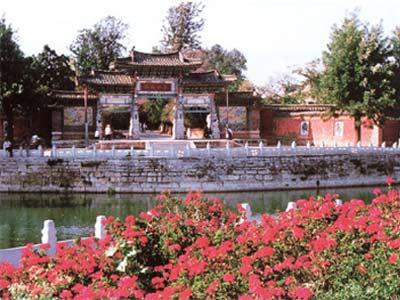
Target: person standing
{"type": "Point", "coordinates": [108, 132]}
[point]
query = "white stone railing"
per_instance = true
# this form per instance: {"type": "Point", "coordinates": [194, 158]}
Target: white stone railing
{"type": "Point", "coordinates": [49, 236]}
{"type": "Point", "coordinates": [208, 151]}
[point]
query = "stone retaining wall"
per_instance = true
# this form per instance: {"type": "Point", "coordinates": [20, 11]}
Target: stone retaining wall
{"type": "Point", "coordinates": [41, 174]}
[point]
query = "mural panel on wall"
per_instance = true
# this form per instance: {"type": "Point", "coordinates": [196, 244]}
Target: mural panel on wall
{"type": "Point", "coordinates": [74, 116]}
{"type": "Point", "coordinates": [237, 117]}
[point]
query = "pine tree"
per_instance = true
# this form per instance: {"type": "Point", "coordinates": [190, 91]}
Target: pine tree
{"type": "Point", "coordinates": [182, 26]}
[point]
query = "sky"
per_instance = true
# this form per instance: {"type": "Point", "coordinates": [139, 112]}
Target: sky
{"type": "Point", "coordinates": [274, 35]}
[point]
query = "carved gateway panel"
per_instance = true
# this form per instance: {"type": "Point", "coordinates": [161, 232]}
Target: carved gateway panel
{"type": "Point", "coordinates": [115, 99]}
{"type": "Point", "coordinates": [198, 100]}
{"type": "Point", "coordinates": [146, 87]}
{"type": "Point", "coordinates": [197, 103]}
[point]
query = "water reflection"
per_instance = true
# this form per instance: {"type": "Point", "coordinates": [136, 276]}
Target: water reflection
{"type": "Point", "coordinates": [22, 215]}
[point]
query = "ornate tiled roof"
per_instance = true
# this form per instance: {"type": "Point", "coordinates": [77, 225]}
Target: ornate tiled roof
{"type": "Point", "coordinates": [211, 77]}
{"type": "Point", "coordinates": [173, 59]}
{"type": "Point", "coordinates": [109, 78]}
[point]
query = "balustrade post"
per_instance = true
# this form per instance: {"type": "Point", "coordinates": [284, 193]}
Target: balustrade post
{"type": "Point", "coordinates": [40, 150]}
{"type": "Point", "coordinates": [208, 146]}
{"type": "Point", "coordinates": [291, 205]}
{"type": "Point", "coordinates": [383, 145]}
{"type": "Point", "coordinates": [54, 151]}
{"type": "Point", "coordinates": [99, 227]}
{"type": "Point", "coordinates": [95, 152]}
{"type": "Point", "coordinates": [113, 151]}
{"type": "Point", "coordinates": [132, 152]}
{"type": "Point", "coordinates": [308, 145]}
{"type": "Point", "coordinates": [359, 144]}
{"type": "Point", "coordinates": [246, 213]}
{"type": "Point", "coordinates": [20, 151]}
{"type": "Point", "coordinates": [246, 148]}
{"type": "Point", "coordinates": [151, 149]}
{"type": "Point", "coordinates": [261, 147]}
{"type": "Point", "coordinates": [188, 152]}
{"type": "Point", "coordinates": [278, 145]}
{"type": "Point", "coordinates": [73, 150]}
{"type": "Point", "coordinates": [49, 236]}
{"type": "Point", "coordinates": [293, 145]}
{"type": "Point", "coordinates": [228, 149]}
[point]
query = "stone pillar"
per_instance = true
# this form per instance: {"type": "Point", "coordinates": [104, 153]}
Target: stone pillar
{"type": "Point", "coordinates": [249, 120]}
{"type": "Point", "coordinates": [134, 128]}
{"type": "Point", "coordinates": [99, 121]}
{"type": "Point", "coordinates": [215, 133]}
{"type": "Point", "coordinates": [178, 131]}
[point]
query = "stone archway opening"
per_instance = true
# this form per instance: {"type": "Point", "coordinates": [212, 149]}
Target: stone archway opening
{"type": "Point", "coordinates": [156, 117]}
{"type": "Point", "coordinates": [196, 124]}
{"type": "Point", "coordinates": [118, 118]}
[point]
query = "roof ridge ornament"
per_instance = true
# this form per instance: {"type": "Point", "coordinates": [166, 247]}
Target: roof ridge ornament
{"type": "Point", "coordinates": [133, 53]}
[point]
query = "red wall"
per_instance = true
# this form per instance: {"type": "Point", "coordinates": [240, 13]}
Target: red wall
{"type": "Point", "coordinates": [286, 128]}
{"type": "Point", "coordinates": [391, 131]}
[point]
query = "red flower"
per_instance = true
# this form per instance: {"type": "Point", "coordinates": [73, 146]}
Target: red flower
{"type": "Point", "coordinates": [228, 278]}
{"type": "Point", "coordinates": [322, 243]}
{"type": "Point", "coordinates": [185, 295]}
{"type": "Point", "coordinates": [303, 293]}
{"type": "Point", "coordinates": [298, 232]}
{"type": "Point", "coordinates": [245, 268]}
{"type": "Point", "coordinates": [212, 287]}
{"type": "Point", "coordinates": [390, 180]}
{"type": "Point", "coordinates": [377, 191]}
{"type": "Point", "coordinates": [393, 259]}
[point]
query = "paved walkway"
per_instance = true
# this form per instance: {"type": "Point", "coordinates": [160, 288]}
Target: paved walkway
{"type": "Point", "coordinates": [154, 135]}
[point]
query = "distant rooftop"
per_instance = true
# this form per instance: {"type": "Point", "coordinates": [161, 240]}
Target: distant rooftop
{"type": "Point", "coordinates": [145, 60]}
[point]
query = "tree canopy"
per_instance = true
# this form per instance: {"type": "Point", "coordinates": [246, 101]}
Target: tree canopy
{"type": "Point", "coordinates": [357, 71]}
{"type": "Point", "coordinates": [54, 71]}
{"type": "Point", "coordinates": [96, 48]}
{"type": "Point", "coordinates": [227, 62]}
{"type": "Point", "coordinates": [395, 42]}
{"type": "Point", "coordinates": [182, 26]}
{"type": "Point", "coordinates": [12, 64]}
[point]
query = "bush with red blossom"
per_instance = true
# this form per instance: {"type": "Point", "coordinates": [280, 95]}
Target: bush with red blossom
{"type": "Point", "coordinates": [197, 249]}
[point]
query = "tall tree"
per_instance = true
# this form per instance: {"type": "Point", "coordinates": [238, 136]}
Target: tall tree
{"type": "Point", "coordinates": [227, 62]}
{"type": "Point", "coordinates": [377, 73]}
{"type": "Point", "coordinates": [395, 42]}
{"type": "Point", "coordinates": [356, 72]}
{"type": "Point", "coordinates": [53, 71]}
{"type": "Point", "coordinates": [182, 26]}
{"type": "Point", "coordinates": [11, 75]}
{"type": "Point", "coordinates": [96, 48]}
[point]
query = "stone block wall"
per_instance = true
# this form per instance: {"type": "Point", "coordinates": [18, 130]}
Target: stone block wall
{"type": "Point", "coordinates": [184, 174]}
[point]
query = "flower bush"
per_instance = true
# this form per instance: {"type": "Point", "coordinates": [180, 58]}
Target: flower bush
{"type": "Point", "coordinates": [196, 249]}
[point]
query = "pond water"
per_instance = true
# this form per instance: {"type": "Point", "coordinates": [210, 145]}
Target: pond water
{"type": "Point", "coordinates": [22, 215]}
